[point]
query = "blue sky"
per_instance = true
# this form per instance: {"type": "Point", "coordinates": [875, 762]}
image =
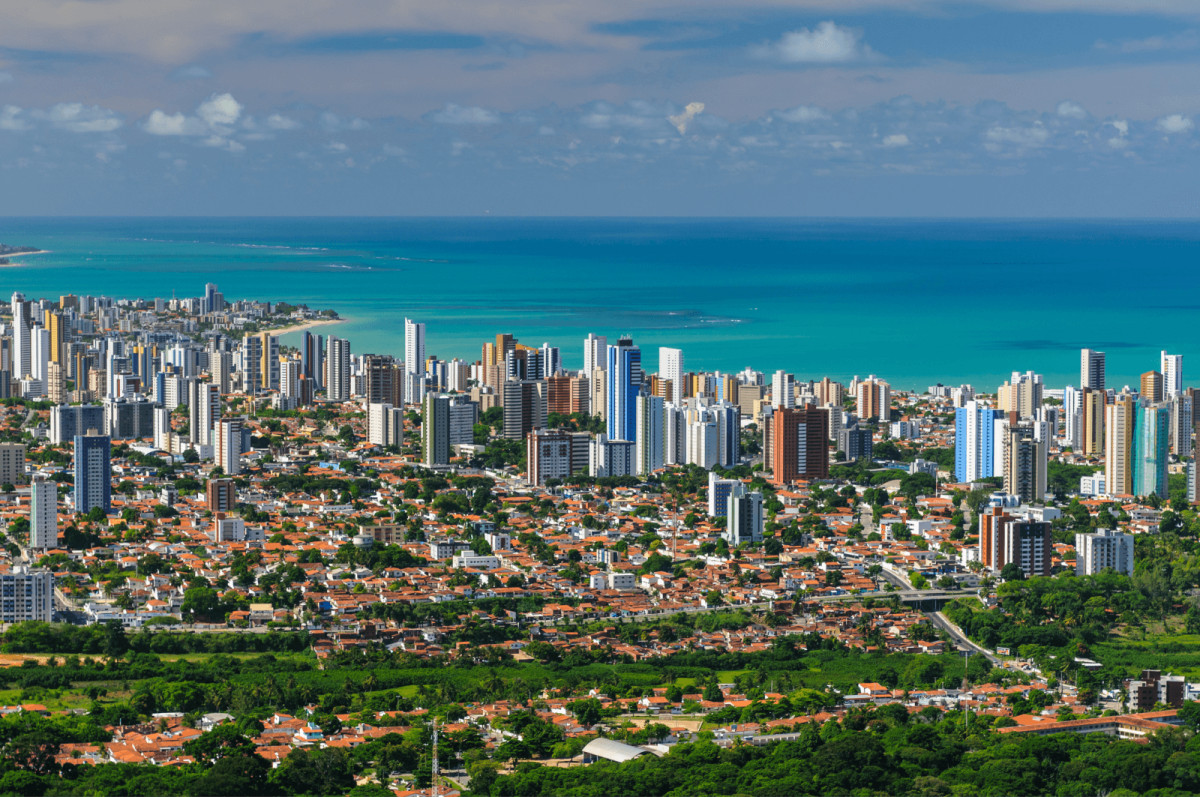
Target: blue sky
{"type": "Point", "coordinates": [655, 107]}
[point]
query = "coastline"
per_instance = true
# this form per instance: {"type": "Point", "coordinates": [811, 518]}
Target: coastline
{"type": "Point", "coordinates": [14, 262]}
{"type": "Point", "coordinates": [306, 325]}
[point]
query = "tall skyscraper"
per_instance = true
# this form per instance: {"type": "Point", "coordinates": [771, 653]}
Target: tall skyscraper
{"type": "Point", "coordinates": [43, 514]}
{"type": "Point", "coordinates": [975, 442]}
{"type": "Point", "coordinates": [873, 398]}
{"type": "Point", "coordinates": [624, 384]}
{"type": "Point", "coordinates": [204, 409]}
{"type": "Point", "coordinates": [337, 387]}
{"type": "Point", "coordinates": [744, 521]}
{"type": "Point", "coordinates": [228, 434]}
{"type": "Point", "coordinates": [525, 407]}
{"type": "Point", "coordinates": [1091, 369]}
{"type": "Point", "coordinates": [670, 368]}
{"type": "Point", "coordinates": [595, 353]}
{"type": "Point", "coordinates": [1092, 411]}
{"type": "Point", "coordinates": [385, 425]}
{"type": "Point", "coordinates": [1022, 394]}
{"type": "Point", "coordinates": [268, 368]}
{"type": "Point", "coordinates": [1182, 424]}
{"type": "Point", "coordinates": [414, 361]}
{"type": "Point", "coordinates": [783, 391]}
{"type": "Point", "coordinates": [435, 430]}
{"type": "Point", "coordinates": [1024, 463]}
{"type": "Point", "coordinates": [1150, 448]}
{"type": "Point", "coordinates": [798, 441]}
{"type": "Point", "coordinates": [1152, 387]}
{"type": "Point", "coordinates": [1172, 371]}
{"type": "Point", "coordinates": [22, 355]}
{"type": "Point", "coordinates": [93, 472]}
{"type": "Point", "coordinates": [649, 446]}
{"type": "Point", "coordinates": [1118, 449]}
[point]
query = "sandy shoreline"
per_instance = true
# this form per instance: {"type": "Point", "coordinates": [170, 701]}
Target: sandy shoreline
{"type": "Point", "coordinates": [323, 322]}
{"type": "Point", "coordinates": [14, 258]}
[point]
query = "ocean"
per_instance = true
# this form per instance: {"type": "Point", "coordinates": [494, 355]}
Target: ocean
{"type": "Point", "coordinates": [915, 302]}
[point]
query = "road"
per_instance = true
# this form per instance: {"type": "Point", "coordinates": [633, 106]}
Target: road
{"type": "Point", "coordinates": [960, 639]}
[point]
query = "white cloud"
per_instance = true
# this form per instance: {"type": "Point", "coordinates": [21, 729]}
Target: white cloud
{"type": "Point", "coordinates": [1175, 123]}
{"type": "Point", "coordinates": [1071, 110]}
{"type": "Point", "coordinates": [803, 113]}
{"type": "Point", "coordinates": [827, 43]}
{"type": "Point", "coordinates": [336, 146]}
{"type": "Point", "coordinates": [279, 122]}
{"type": "Point", "coordinates": [1022, 137]}
{"type": "Point", "coordinates": [1121, 125]}
{"type": "Point", "coordinates": [219, 110]}
{"type": "Point", "coordinates": [458, 115]}
{"type": "Point", "coordinates": [12, 118]}
{"type": "Point", "coordinates": [173, 124]}
{"type": "Point", "coordinates": [896, 140]}
{"type": "Point", "coordinates": [79, 118]}
{"type": "Point", "coordinates": [334, 123]}
{"type": "Point", "coordinates": [682, 120]}
{"type": "Point", "coordinates": [1186, 40]}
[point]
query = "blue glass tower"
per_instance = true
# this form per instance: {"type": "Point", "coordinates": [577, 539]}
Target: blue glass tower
{"type": "Point", "coordinates": [624, 384]}
{"type": "Point", "coordinates": [1150, 441]}
{"type": "Point", "coordinates": [974, 442]}
{"type": "Point", "coordinates": [93, 472]}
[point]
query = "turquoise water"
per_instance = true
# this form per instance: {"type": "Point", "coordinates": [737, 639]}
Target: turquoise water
{"type": "Point", "coordinates": [914, 302]}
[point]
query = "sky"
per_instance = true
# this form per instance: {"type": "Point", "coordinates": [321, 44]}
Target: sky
{"type": "Point", "coordinates": [1013, 108]}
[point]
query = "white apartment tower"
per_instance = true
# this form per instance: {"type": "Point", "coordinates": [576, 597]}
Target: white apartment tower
{"type": "Point", "coordinates": [595, 353]}
{"type": "Point", "coordinates": [414, 361]}
{"type": "Point", "coordinates": [1106, 548]}
{"type": "Point", "coordinates": [670, 368]}
{"type": "Point", "coordinates": [1172, 371]}
{"type": "Point", "coordinates": [783, 391]}
{"type": "Point", "coordinates": [649, 451]}
{"type": "Point", "coordinates": [43, 514]}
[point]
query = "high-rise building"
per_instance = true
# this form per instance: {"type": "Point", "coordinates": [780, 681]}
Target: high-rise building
{"type": "Point", "coordinates": [43, 514]}
{"type": "Point", "coordinates": [873, 399]}
{"type": "Point", "coordinates": [385, 425]}
{"type": "Point", "coordinates": [26, 595]}
{"type": "Point", "coordinates": [702, 441]}
{"type": "Point", "coordinates": [1172, 371]}
{"type": "Point", "coordinates": [728, 417]}
{"type": "Point", "coordinates": [595, 353]}
{"type": "Point", "coordinates": [555, 454]}
{"type": "Point", "coordinates": [1091, 369]}
{"type": "Point", "coordinates": [1119, 430]}
{"type": "Point", "coordinates": [720, 491]}
{"type": "Point", "coordinates": [220, 495]}
{"type": "Point", "coordinates": [414, 361]}
{"type": "Point", "coordinates": [1021, 395]}
{"type": "Point", "coordinates": [649, 436]}
{"type": "Point", "coordinates": [990, 521]}
{"type": "Point", "coordinates": [1025, 458]}
{"type": "Point", "coordinates": [610, 457]}
{"type": "Point", "coordinates": [855, 443]}
{"type": "Point", "coordinates": [228, 445]}
{"type": "Point", "coordinates": [798, 442]}
{"type": "Point", "coordinates": [1092, 414]}
{"type": "Point", "coordinates": [1182, 424]}
{"type": "Point", "coordinates": [337, 385]}
{"type": "Point", "coordinates": [22, 343]}
{"type": "Point", "coordinates": [268, 368]}
{"type": "Point", "coordinates": [1152, 387]}
{"type": "Point", "coordinates": [312, 357]}
{"type": "Point", "coordinates": [624, 384]}
{"type": "Point", "coordinates": [204, 409]}
{"type": "Point", "coordinates": [975, 443]}
{"type": "Point", "coordinates": [783, 390]}
{"type": "Point", "coordinates": [12, 463]}
{"type": "Point", "coordinates": [1150, 447]}
{"type": "Point", "coordinates": [1104, 549]}
{"type": "Point", "coordinates": [670, 368]}
{"type": "Point", "coordinates": [251, 356]}
{"type": "Point", "coordinates": [744, 522]}
{"type": "Point", "coordinates": [525, 407]}
{"type": "Point", "coordinates": [1028, 544]}
{"type": "Point", "coordinates": [435, 430]}
{"type": "Point", "coordinates": [93, 472]}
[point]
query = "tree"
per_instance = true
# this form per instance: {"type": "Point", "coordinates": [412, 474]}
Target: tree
{"type": "Point", "coordinates": [586, 711]}
{"type": "Point", "coordinates": [222, 741]}
{"type": "Point", "coordinates": [712, 693]}
{"type": "Point", "coordinates": [1012, 572]}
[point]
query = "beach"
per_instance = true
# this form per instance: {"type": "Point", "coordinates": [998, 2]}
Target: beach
{"type": "Point", "coordinates": [307, 325]}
